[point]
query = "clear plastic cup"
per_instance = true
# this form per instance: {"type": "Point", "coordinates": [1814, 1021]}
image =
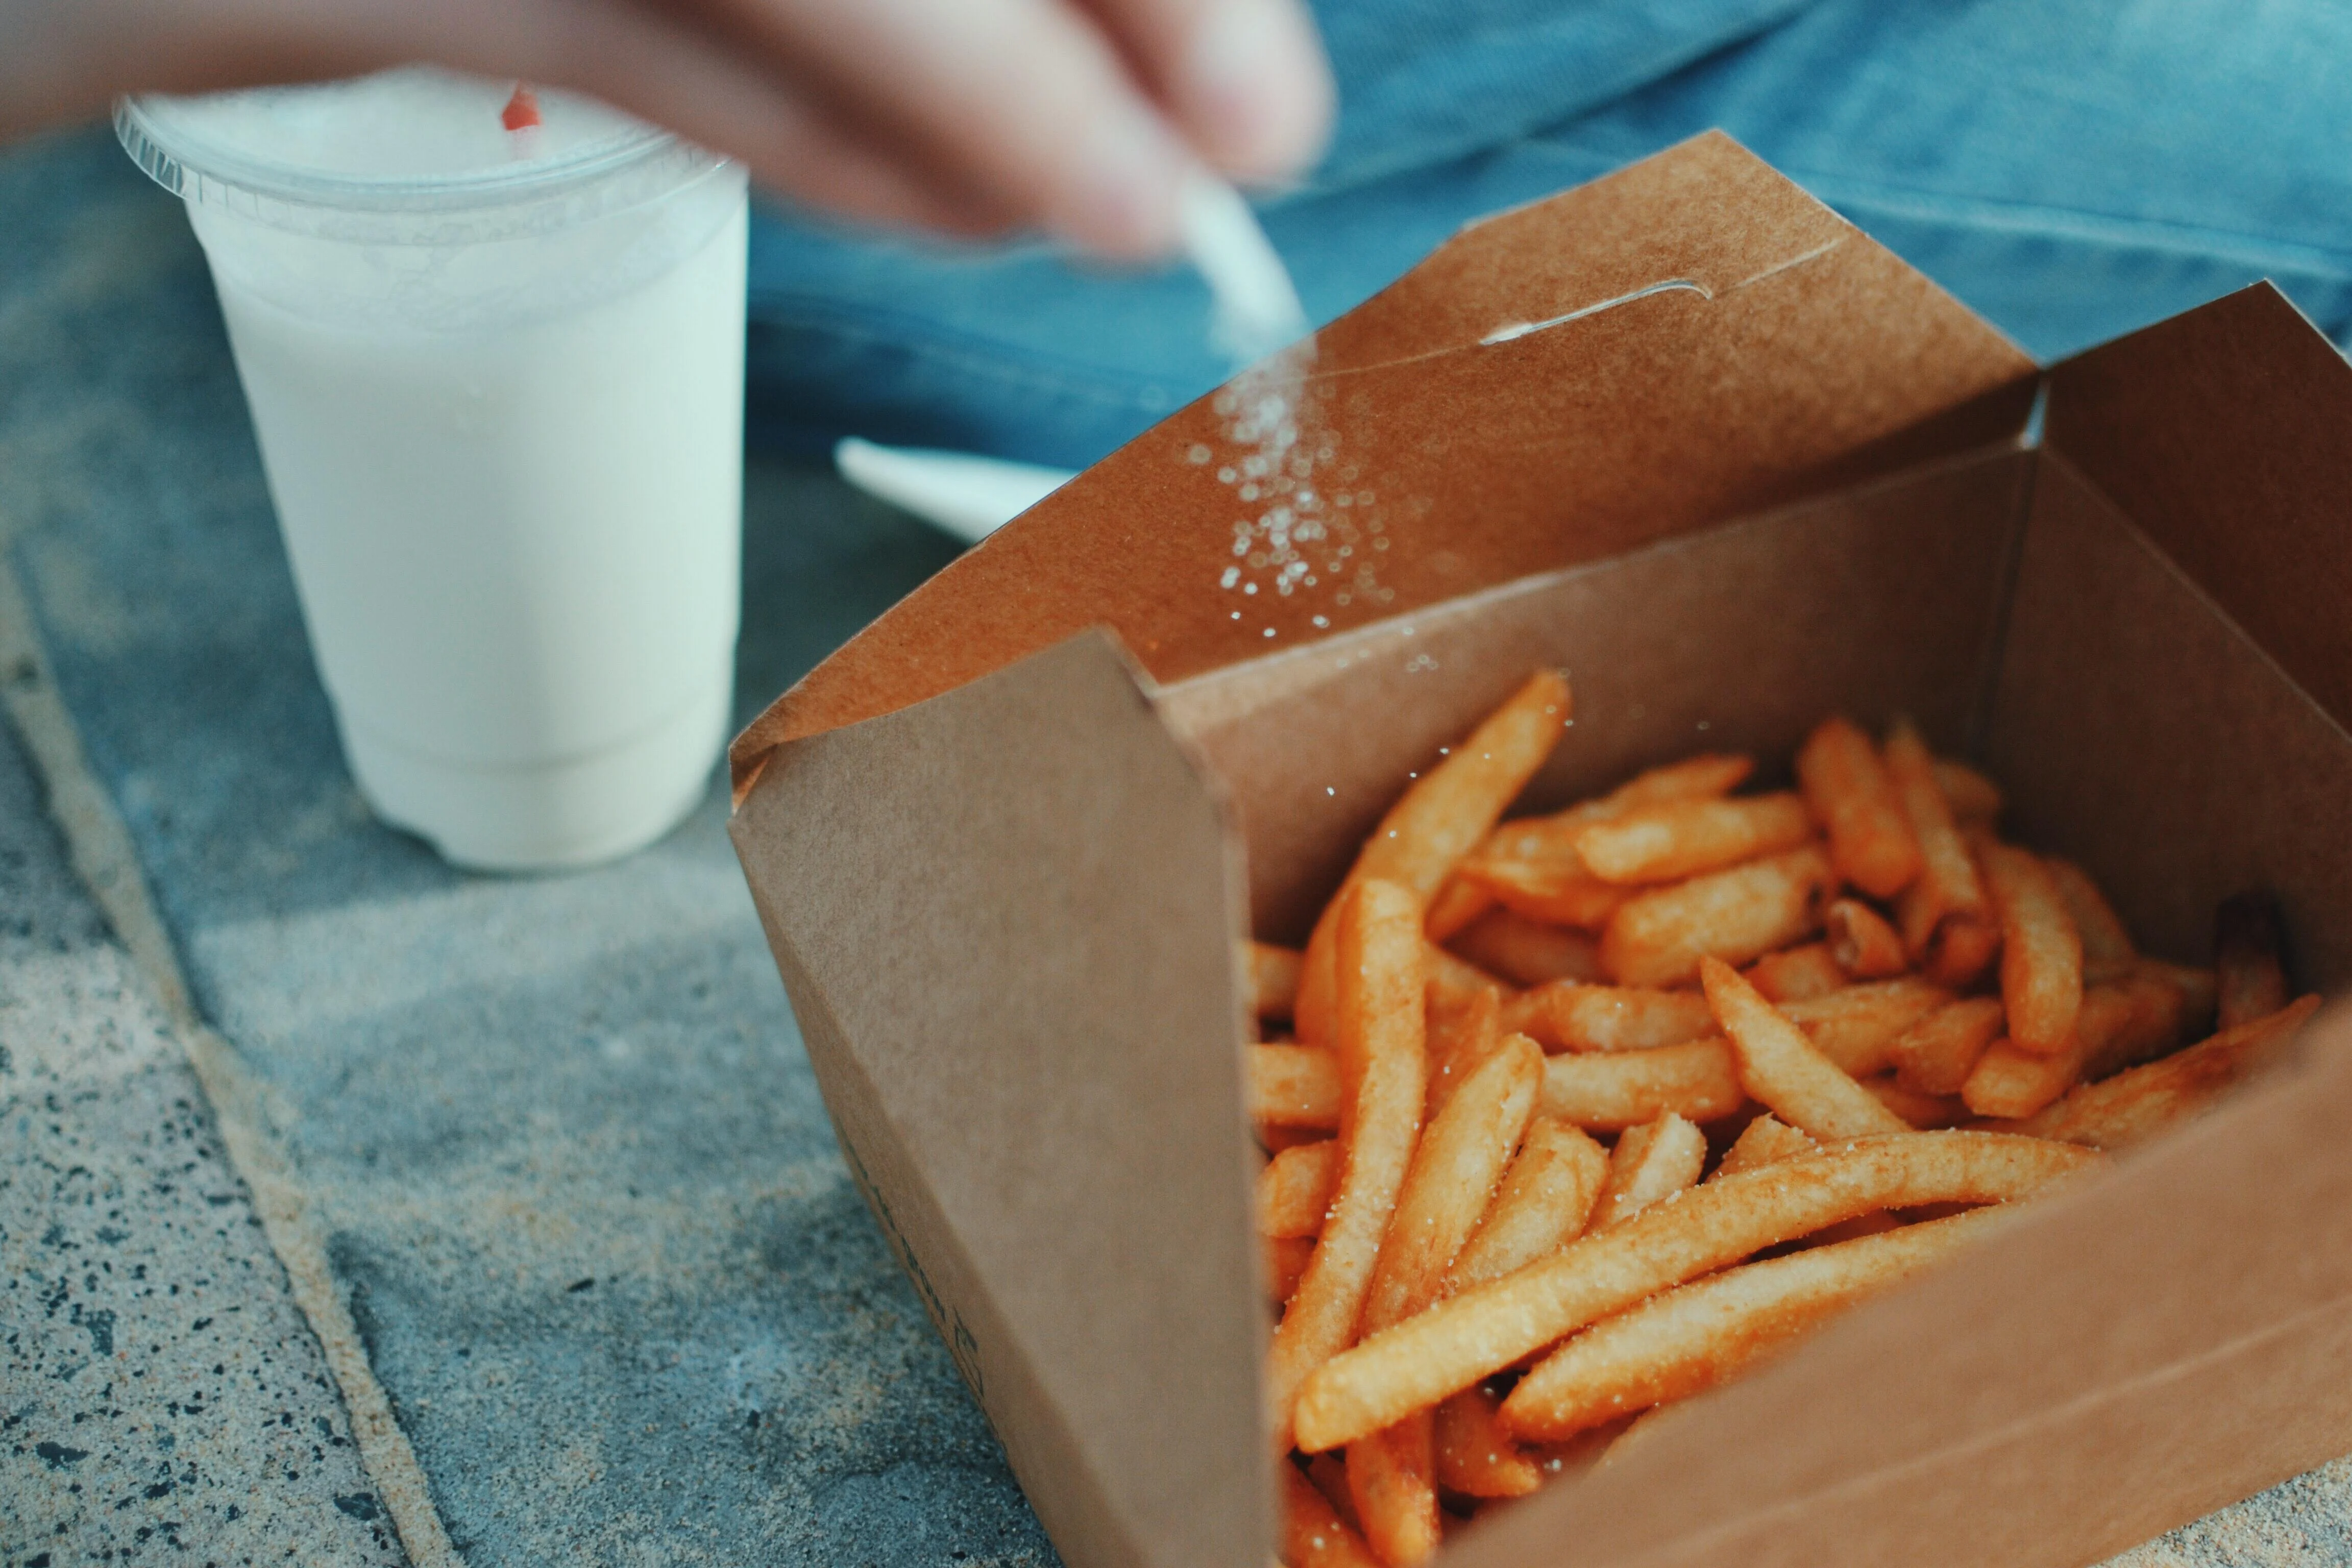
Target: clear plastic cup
{"type": "Point", "coordinates": [497, 381]}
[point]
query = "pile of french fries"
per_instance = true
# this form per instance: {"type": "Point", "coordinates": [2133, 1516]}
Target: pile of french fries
{"type": "Point", "coordinates": [1582, 1114]}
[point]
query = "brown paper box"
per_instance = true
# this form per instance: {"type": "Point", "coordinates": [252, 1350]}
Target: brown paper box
{"type": "Point", "coordinates": [999, 850]}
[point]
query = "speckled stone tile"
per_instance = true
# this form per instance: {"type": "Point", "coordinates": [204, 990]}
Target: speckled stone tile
{"type": "Point", "coordinates": [160, 1399]}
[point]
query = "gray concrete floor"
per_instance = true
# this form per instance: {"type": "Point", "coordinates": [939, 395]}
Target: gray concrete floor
{"type": "Point", "coordinates": [542, 1251]}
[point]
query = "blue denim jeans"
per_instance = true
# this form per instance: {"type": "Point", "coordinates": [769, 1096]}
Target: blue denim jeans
{"type": "Point", "coordinates": [2072, 169]}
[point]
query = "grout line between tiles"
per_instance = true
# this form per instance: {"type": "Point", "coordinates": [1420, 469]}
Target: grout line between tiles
{"type": "Point", "coordinates": [103, 858]}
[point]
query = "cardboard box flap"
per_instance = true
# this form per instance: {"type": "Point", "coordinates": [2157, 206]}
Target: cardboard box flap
{"type": "Point", "coordinates": [1685, 341]}
{"type": "Point", "coordinates": [1006, 921]}
{"type": "Point", "coordinates": [2225, 433]}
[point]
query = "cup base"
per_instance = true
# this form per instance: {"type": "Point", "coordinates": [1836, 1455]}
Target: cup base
{"type": "Point", "coordinates": [554, 817]}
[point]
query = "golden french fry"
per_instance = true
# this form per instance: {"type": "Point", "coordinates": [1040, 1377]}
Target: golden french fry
{"type": "Point", "coordinates": [1291, 1085]}
{"type": "Point", "coordinates": [1787, 1071]}
{"type": "Point", "coordinates": [1608, 1092]}
{"type": "Point", "coordinates": [1552, 893]}
{"type": "Point", "coordinates": [2200, 998]}
{"type": "Point", "coordinates": [1459, 1039]}
{"type": "Point", "coordinates": [1478, 1333]}
{"type": "Point", "coordinates": [2123, 1021]}
{"type": "Point", "coordinates": [2108, 950]}
{"type": "Point", "coordinates": [1857, 1026]}
{"type": "Point", "coordinates": [2137, 1105]}
{"type": "Point", "coordinates": [2247, 958]}
{"type": "Point", "coordinates": [1935, 1054]}
{"type": "Point", "coordinates": [1440, 820]}
{"type": "Point", "coordinates": [1797, 974]}
{"type": "Point", "coordinates": [1974, 798]}
{"type": "Point", "coordinates": [2041, 954]}
{"type": "Point", "coordinates": [1329, 1473]}
{"type": "Point", "coordinates": [1273, 980]}
{"type": "Point", "coordinates": [1391, 1474]}
{"type": "Point", "coordinates": [1948, 887]}
{"type": "Point", "coordinates": [1545, 1202]}
{"type": "Point", "coordinates": [1457, 903]}
{"type": "Point", "coordinates": [1656, 938]}
{"type": "Point", "coordinates": [1846, 785]}
{"type": "Point", "coordinates": [1962, 950]}
{"type": "Point", "coordinates": [1474, 1457]}
{"type": "Point", "coordinates": [1529, 1014]}
{"type": "Point", "coordinates": [1286, 1264]}
{"type": "Point", "coordinates": [1379, 1030]}
{"type": "Point", "coordinates": [1861, 942]}
{"type": "Point", "coordinates": [1393, 1480]}
{"type": "Point", "coordinates": [1452, 982]}
{"type": "Point", "coordinates": [1920, 1112]}
{"type": "Point", "coordinates": [1761, 1141]}
{"type": "Point", "coordinates": [1296, 1187]}
{"type": "Point", "coordinates": [1460, 1160]}
{"type": "Point", "coordinates": [1702, 1334]}
{"type": "Point", "coordinates": [1651, 1162]}
{"type": "Point", "coordinates": [1666, 842]}
{"type": "Point", "coordinates": [1525, 952]}
{"type": "Point", "coordinates": [1313, 1533]}
{"type": "Point", "coordinates": [1624, 1018]}
{"type": "Point", "coordinates": [2171, 1007]}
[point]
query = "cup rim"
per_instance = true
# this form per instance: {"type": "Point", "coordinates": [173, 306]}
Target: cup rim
{"type": "Point", "coordinates": [183, 160]}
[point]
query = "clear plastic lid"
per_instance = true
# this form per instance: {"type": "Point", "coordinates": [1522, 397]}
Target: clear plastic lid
{"type": "Point", "coordinates": [412, 155]}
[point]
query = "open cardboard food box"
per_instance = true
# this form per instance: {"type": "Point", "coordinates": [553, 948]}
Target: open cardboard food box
{"type": "Point", "coordinates": [1004, 844]}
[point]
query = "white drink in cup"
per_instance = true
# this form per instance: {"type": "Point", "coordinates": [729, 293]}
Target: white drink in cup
{"type": "Point", "coordinates": [497, 378]}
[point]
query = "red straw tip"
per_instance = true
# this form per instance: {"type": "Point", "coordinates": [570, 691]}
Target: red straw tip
{"type": "Point", "coordinates": [522, 112]}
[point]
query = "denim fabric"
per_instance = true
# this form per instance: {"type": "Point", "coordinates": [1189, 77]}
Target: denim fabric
{"type": "Point", "coordinates": [2071, 169]}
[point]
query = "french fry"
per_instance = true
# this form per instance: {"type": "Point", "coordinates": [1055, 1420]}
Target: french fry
{"type": "Point", "coordinates": [1948, 888]}
{"type": "Point", "coordinates": [1857, 1026]}
{"type": "Point", "coordinates": [1291, 1085]}
{"type": "Point", "coordinates": [2247, 958]}
{"type": "Point", "coordinates": [1797, 974]}
{"type": "Point", "coordinates": [1702, 1334]}
{"type": "Point", "coordinates": [1438, 821]}
{"type": "Point", "coordinates": [2137, 1105]}
{"type": "Point", "coordinates": [1624, 1018]}
{"type": "Point", "coordinates": [1974, 798]}
{"type": "Point", "coordinates": [1313, 1534]}
{"type": "Point", "coordinates": [1393, 1480]}
{"type": "Point", "coordinates": [1506, 943]}
{"type": "Point", "coordinates": [2123, 1022]}
{"type": "Point", "coordinates": [1457, 903]}
{"type": "Point", "coordinates": [2199, 1000]}
{"type": "Point", "coordinates": [1478, 1333]}
{"type": "Point", "coordinates": [1380, 1028]}
{"type": "Point", "coordinates": [1666, 842]}
{"type": "Point", "coordinates": [1608, 1092]}
{"type": "Point", "coordinates": [1761, 1141]}
{"type": "Point", "coordinates": [2041, 954]}
{"type": "Point", "coordinates": [1329, 1473]}
{"type": "Point", "coordinates": [1864, 944]}
{"type": "Point", "coordinates": [2172, 1005]}
{"type": "Point", "coordinates": [1961, 952]}
{"type": "Point", "coordinates": [1920, 1112]}
{"type": "Point", "coordinates": [1937, 1053]}
{"type": "Point", "coordinates": [1550, 891]}
{"type": "Point", "coordinates": [1846, 784]}
{"type": "Point", "coordinates": [1657, 938]}
{"type": "Point", "coordinates": [1545, 1202]}
{"type": "Point", "coordinates": [1286, 1264]}
{"type": "Point", "coordinates": [1391, 1474]}
{"type": "Point", "coordinates": [1475, 1457]}
{"type": "Point", "coordinates": [1459, 1039]}
{"type": "Point", "coordinates": [2108, 950]}
{"type": "Point", "coordinates": [1460, 1161]}
{"type": "Point", "coordinates": [1529, 1014]}
{"type": "Point", "coordinates": [1273, 980]}
{"type": "Point", "coordinates": [1785, 1070]}
{"type": "Point", "coordinates": [1295, 1188]}
{"type": "Point", "coordinates": [1454, 981]}
{"type": "Point", "coordinates": [1651, 1162]}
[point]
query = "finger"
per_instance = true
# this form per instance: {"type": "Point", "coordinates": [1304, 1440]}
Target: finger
{"type": "Point", "coordinates": [1025, 99]}
{"type": "Point", "coordinates": [1247, 81]}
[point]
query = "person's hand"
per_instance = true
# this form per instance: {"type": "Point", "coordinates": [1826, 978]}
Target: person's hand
{"type": "Point", "coordinates": [967, 116]}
